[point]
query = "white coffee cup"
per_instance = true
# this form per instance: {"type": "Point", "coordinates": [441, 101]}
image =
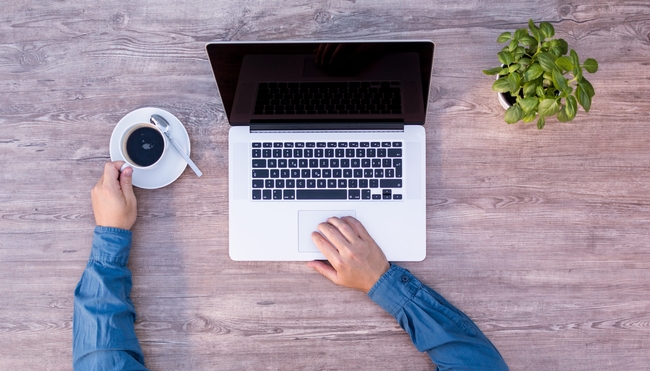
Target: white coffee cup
{"type": "Point", "coordinates": [142, 146]}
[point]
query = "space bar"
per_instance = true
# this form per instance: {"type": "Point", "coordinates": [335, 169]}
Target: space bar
{"type": "Point", "coordinates": [321, 194]}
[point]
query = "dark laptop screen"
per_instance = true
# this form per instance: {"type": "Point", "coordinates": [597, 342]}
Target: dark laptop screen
{"type": "Point", "coordinates": [333, 82]}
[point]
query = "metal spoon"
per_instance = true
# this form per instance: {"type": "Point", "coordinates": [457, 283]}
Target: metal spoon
{"type": "Point", "coordinates": [164, 126]}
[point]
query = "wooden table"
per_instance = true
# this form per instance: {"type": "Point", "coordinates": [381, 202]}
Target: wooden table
{"type": "Point", "coordinates": [540, 236]}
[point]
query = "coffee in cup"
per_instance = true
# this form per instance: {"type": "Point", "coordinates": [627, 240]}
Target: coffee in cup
{"type": "Point", "coordinates": [143, 145]}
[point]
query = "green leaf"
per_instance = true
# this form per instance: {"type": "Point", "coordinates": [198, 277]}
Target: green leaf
{"type": "Point", "coordinates": [562, 116]}
{"type": "Point", "coordinates": [574, 58]}
{"type": "Point", "coordinates": [571, 107]}
{"type": "Point", "coordinates": [504, 37]}
{"type": "Point", "coordinates": [528, 41]}
{"type": "Point", "coordinates": [503, 72]}
{"type": "Point", "coordinates": [547, 29]}
{"type": "Point", "coordinates": [534, 71]}
{"type": "Point", "coordinates": [541, 122]}
{"type": "Point", "coordinates": [514, 80]}
{"type": "Point", "coordinates": [513, 45]}
{"type": "Point", "coordinates": [548, 107]}
{"type": "Point", "coordinates": [528, 104]}
{"type": "Point", "coordinates": [560, 81]}
{"type": "Point", "coordinates": [562, 46]}
{"type": "Point", "coordinates": [513, 114]}
{"type": "Point", "coordinates": [547, 61]}
{"type": "Point", "coordinates": [521, 33]}
{"type": "Point", "coordinates": [583, 98]}
{"type": "Point", "coordinates": [505, 57]}
{"type": "Point", "coordinates": [564, 63]}
{"type": "Point", "coordinates": [519, 52]}
{"type": "Point", "coordinates": [513, 68]}
{"type": "Point", "coordinates": [590, 65]}
{"type": "Point", "coordinates": [534, 30]}
{"type": "Point", "coordinates": [492, 71]}
{"type": "Point", "coordinates": [530, 88]}
{"type": "Point", "coordinates": [540, 91]}
{"type": "Point", "coordinates": [501, 85]}
{"type": "Point", "coordinates": [530, 117]}
{"type": "Point", "coordinates": [588, 88]}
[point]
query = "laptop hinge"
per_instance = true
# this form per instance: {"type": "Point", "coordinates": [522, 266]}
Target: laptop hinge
{"type": "Point", "coordinates": [330, 126]}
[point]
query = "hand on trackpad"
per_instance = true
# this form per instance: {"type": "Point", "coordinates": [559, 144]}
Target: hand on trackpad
{"type": "Point", "coordinates": [308, 222]}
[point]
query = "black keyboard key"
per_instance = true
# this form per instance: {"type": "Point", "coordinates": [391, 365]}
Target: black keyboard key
{"type": "Point", "coordinates": [343, 144]}
{"type": "Point", "coordinates": [387, 194]}
{"type": "Point", "coordinates": [260, 173]}
{"type": "Point", "coordinates": [321, 183]}
{"type": "Point", "coordinates": [290, 183]}
{"type": "Point", "coordinates": [277, 145]}
{"type": "Point", "coordinates": [321, 194]}
{"type": "Point", "coordinates": [257, 145]}
{"type": "Point", "coordinates": [355, 162]}
{"type": "Point", "coordinates": [277, 153]}
{"type": "Point", "coordinates": [287, 153]}
{"type": "Point", "coordinates": [354, 194]}
{"type": "Point", "coordinates": [331, 144]}
{"type": "Point", "coordinates": [368, 173]}
{"type": "Point", "coordinates": [390, 183]}
{"type": "Point", "coordinates": [289, 194]}
{"type": "Point", "coordinates": [272, 163]}
{"type": "Point", "coordinates": [300, 144]}
{"type": "Point", "coordinates": [371, 152]}
{"type": "Point", "coordinates": [385, 144]}
{"type": "Point", "coordinates": [398, 172]}
{"type": "Point", "coordinates": [284, 173]}
{"type": "Point", "coordinates": [266, 153]}
{"type": "Point", "coordinates": [354, 144]}
{"type": "Point", "coordinates": [295, 173]}
{"type": "Point", "coordinates": [300, 183]}
{"type": "Point", "coordinates": [259, 164]}
{"type": "Point", "coordinates": [386, 162]}
{"type": "Point", "coordinates": [352, 183]}
{"type": "Point", "coordinates": [305, 173]}
{"type": "Point", "coordinates": [347, 173]}
{"type": "Point", "coordinates": [364, 144]}
{"type": "Point", "coordinates": [363, 183]}
{"type": "Point", "coordinates": [277, 194]}
{"type": "Point", "coordinates": [302, 163]}
{"type": "Point", "coordinates": [288, 145]}
{"type": "Point", "coordinates": [257, 153]}
{"type": "Point", "coordinates": [266, 194]}
{"type": "Point", "coordinates": [315, 173]}
{"type": "Point", "coordinates": [337, 173]}
{"type": "Point", "coordinates": [297, 153]}
{"type": "Point", "coordinates": [293, 163]}
{"type": "Point", "coordinates": [313, 163]}
{"type": "Point", "coordinates": [275, 173]}
{"type": "Point", "coordinates": [389, 173]}
{"type": "Point", "coordinates": [311, 183]}
{"type": "Point", "coordinates": [340, 153]}
{"type": "Point", "coordinates": [375, 144]}
{"type": "Point", "coordinates": [267, 145]}
{"type": "Point", "coordinates": [310, 144]}
{"type": "Point", "coordinates": [397, 197]}
{"type": "Point", "coordinates": [376, 197]}
{"type": "Point", "coordinates": [397, 144]}
{"type": "Point", "coordinates": [282, 162]}
{"type": "Point", "coordinates": [381, 152]}
{"type": "Point", "coordinates": [342, 183]}
{"type": "Point", "coordinates": [318, 152]}
{"type": "Point", "coordinates": [269, 183]}
{"type": "Point", "coordinates": [379, 173]}
{"type": "Point", "coordinates": [258, 183]}
{"type": "Point", "coordinates": [334, 162]}
{"type": "Point", "coordinates": [349, 152]}
{"type": "Point", "coordinates": [327, 173]}
{"type": "Point", "coordinates": [395, 152]}
{"type": "Point", "coordinates": [329, 152]}
{"type": "Point", "coordinates": [324, 162]}
{"type": "Point", "coordinates": [361, 152]}
{"type": "Point", "coordinates": [374, 183]}
{"type": "Point", "coordinates": [321, 144]}
{"type": "Point", "coordinates": [345, 162]}
{"type": "Point", "coordinates": [365, 162]}
{"type": "Point", "coordinates": [257, 194]}
{"type": "Point", "coordinates": [309, 153]}
{"type": "Point", "coordinates": [279, 183]}
{"type": "Point", "coordinates": [331, 183]}
{"type": "Point", "coordinates": [358, 173]}
{"type": "Point", "coordinates": [365, 194]}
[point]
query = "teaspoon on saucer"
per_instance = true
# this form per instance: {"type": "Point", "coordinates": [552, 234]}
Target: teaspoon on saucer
{"type": "Point", "coordinates": [164, 126]}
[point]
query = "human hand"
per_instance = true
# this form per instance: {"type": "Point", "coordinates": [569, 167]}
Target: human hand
{"type": "Point", "coordinates": [114, 203]}
{"type": "Point", "coordinates": [355, 259]}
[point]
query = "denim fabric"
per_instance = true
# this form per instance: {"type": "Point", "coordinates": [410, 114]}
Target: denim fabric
{"type": "Point", "coordinates": [450, 338]}
{"type": "Point", "coordinates": [103, 323]}
{"type": "Point", "coordinates": [103, 336]}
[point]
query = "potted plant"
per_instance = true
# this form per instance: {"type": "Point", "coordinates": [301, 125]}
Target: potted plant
{"type": "Point", "coordinates": [537, 78]}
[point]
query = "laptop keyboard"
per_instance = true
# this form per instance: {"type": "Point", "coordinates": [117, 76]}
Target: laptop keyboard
{"type": "Point", "coordinates": [327, 170]}
{"type": "Point", "coordinates": [311, 98]}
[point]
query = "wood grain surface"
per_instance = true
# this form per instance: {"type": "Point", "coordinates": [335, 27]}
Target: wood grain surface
{"type": "Point", "coordinates": [540, 236]}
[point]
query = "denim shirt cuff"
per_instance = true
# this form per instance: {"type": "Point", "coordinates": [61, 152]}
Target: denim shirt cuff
{"type": "Point", "coordinates": [111, 245]}
{"type": "Point", "coordinates": [394, 289]}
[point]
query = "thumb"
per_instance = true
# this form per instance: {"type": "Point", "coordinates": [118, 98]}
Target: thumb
{"type": "Point", "coordinates": [126, 183]}
{"type": "Point", "coordinates": [324, 269]}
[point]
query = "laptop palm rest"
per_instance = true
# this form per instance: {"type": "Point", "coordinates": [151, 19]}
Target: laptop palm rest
{"type": "Point", "coordinates": [308, 221]}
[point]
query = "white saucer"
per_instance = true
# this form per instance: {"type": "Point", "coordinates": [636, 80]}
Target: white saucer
{"type": "Point", "coordinates": [171, 165]}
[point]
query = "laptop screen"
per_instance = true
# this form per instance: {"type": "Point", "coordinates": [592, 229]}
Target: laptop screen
{"type": "Point", "coordinates": [303, 82]}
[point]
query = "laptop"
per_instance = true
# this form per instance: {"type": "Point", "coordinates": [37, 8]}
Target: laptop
{"type": "Point", "coordinates": [321, 129]}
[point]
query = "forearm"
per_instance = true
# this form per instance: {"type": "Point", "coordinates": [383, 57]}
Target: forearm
{"type": "Point", "coordinates": [103, 323]}
{"type": "Point", "coordinates": [435, 326]}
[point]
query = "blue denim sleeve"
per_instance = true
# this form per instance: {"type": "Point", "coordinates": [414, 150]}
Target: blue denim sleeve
{"type": "Point", "coordinates": [103, 335]}
{"type": "Point", "coordinates": [450, 338]}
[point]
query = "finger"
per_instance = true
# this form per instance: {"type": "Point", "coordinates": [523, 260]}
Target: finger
{"type": "Point", "coordinates": [344, 228]}
{"type": "Point", "coordinates": [333, 235]}
{"type": "Point", "coordinates": [325, 269]}
{"type": "Point", "coordinates": [111, 175]}
{"type": "Point", "coordinates": [325, 247]}
{"type": "Point", "coordinates": [126, 183]}
{"type": "Point", "coordinates": [358, 227]}
{"type": "Point", "coordinates": [319, 53]}
{"type": "Point", "coordinates": [325, 57]}
{"type": "Point", "coordinates": [337, 51]}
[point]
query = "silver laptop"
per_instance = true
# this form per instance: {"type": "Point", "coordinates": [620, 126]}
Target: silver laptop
{"type": "Point", "coordinates": [321, 129]}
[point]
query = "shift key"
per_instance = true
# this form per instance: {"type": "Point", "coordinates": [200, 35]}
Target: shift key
{"type": "Point", "coordinates": [390, 183]}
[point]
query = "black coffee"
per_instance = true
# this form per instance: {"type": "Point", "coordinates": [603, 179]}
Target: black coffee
{"type": "Point", "coordinates": [145, 146]}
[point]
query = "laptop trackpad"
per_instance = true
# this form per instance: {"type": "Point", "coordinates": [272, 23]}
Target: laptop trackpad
{"type": "Point", "coordinates": [308, 221]}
